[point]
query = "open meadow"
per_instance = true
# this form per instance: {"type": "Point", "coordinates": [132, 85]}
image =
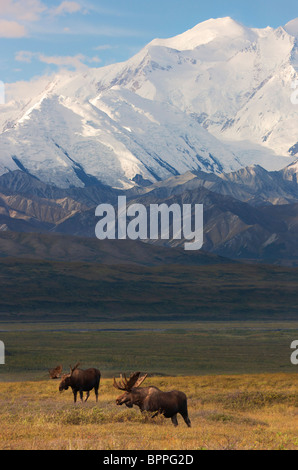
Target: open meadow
{"type": "Point", "coordinates": [227, 413]}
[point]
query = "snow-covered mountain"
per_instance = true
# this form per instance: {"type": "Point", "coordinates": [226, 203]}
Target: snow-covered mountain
{"type": "Point", "coordinates": [215, 98]}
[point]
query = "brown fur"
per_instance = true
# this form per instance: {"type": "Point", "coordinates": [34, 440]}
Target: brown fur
{"type": "Point", "coordinates": [81, 381]}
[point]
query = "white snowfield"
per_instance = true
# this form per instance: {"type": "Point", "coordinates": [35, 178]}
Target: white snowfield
{"type": "Point", "coordinates": [215, 98]}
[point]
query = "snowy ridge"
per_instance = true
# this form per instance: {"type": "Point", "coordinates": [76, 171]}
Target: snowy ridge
{"type": "Point", "coordinates": [206, 32]}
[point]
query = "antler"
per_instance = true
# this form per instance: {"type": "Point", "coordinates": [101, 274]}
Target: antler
{"type": "Point", "coordinates": [72, 369]}
{"type": "Point", "coordinates": [134, 381]}
{"type": "Point", "coordinates": [140, 381]}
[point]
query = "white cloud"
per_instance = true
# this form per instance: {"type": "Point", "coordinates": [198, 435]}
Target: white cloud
{"type": "Point", "coordinates": [66, 7]}
{"type": "Point", "coordinates": [104, 47]}
{"type": "Point", "coordinates": [292, 27]}
{"type": "Point", "coordinates": [18, 16]}
{"type": "Point", "coordinates": [77, 62]}
{"type": "Point", "coordinates": [35, 17]}
{"type": "Point", "coordinates": [22, 10]}
{"type": "Point", "coordinates": [24, 56]}
{"type": "Point", "coordinates": [12, 29]}
{"type": "Point", "coordinates": [94, 60]}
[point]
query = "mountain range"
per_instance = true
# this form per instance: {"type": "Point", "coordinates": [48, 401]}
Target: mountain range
{"type": "Point", "coordinates": [204, 117]}
{"type": "Point", "coordinates": [251, 214]}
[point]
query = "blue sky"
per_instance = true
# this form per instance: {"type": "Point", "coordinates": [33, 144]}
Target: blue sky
{"type": "Point", "coordinates": [41, 36]}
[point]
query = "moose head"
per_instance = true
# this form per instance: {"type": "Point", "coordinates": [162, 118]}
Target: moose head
{"type": "Point", "coordinates": [130, 387]}
{"type": "Point", "coordinates": [66, 379]}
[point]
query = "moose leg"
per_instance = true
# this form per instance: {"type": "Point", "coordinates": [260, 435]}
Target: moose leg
{"type": "Point", "coordinates": [174, 420]}
{"type": "Point", "coordinates": [81, 396]}
{"type": "Point", "coordinates": [186, 419]}
{"type": "Point", "coordinates": [155, 414]}
{"type": "Point", "coordinates": [75, 395]}
{"type": "Point", "coordinates": [184, 414]}
{"type": "Point", "coordinates": [96, 394]}
{"type": "Point", "coordinates": [88, 395]}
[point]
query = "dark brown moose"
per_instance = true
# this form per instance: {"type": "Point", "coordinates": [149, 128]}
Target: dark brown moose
{"type": "Point", "coordinates": [151, 399]}
{"type": "Point", "coordinates": [81, 381]}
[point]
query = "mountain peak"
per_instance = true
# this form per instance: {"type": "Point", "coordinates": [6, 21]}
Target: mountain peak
{"type": "Point", "coordinates": [205, 32]}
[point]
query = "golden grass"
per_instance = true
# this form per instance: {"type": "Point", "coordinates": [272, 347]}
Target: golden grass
{"type": "Point", "coordinates": [227, 412]}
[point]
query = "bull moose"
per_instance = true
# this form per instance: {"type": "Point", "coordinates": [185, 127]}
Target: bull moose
{"type": "Point", "coordinates": [81, 381]}
{"type": "Point", "coordinates": [151, 399]}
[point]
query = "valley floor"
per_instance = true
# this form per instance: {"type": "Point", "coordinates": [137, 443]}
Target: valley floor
{"type": "Point", "coordinates": [227, 412]}
{"type": "Point", "coordinates": [157, 348]}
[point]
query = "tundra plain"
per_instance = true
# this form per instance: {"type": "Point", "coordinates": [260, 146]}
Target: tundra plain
{"type": "Point", "coordinates": [251, 412]}
{"type": "Point", "coordinates": [242, 388]}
